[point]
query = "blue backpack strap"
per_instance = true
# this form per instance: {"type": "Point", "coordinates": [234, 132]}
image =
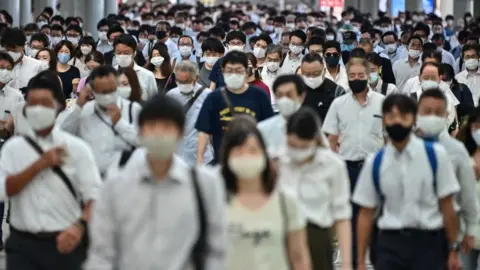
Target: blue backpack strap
{"type": "Point", "coordinates": [376, 172]}
{"type": "Point", "coordinates": [432, 159]}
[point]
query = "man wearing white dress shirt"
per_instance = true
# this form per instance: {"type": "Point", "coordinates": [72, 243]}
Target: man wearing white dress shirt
{"type": "Point", "coordinates": [471, 75]}
{"type": "Point", "coordinates": [406, 68]}
{"type": "Point", "coordinates": [107, 123]}
{"type": "Point", "coordinates": [447, 57]}
{"type": "Point", "coordinates": [354, 126]}
{"type": "Point", "coordinates": [391, 42]}
{"type": "Point", "coordinates": [162, 34]}
{"type": "Point", "coordinates": [294, 56]}
{"type": "Point", "coordinates": [25, 67]}
{"type": "Point", "coordinates": [412, 183]}
{"type": "Point", "coordinates": [51, 180]}
{"type": "Point", "coordinates": [125, 47]}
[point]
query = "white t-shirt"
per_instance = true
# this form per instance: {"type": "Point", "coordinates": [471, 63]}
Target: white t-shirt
{"type": "Point", "coordinates": [257, 237]}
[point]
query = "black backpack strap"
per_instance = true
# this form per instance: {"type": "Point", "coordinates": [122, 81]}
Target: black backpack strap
{"type": "Point", "coordinates": [227, 101]}
{"type": "Point", "coordinates": [125, 156]}
{"type": "Point", "coordinates": [193, 99]}
{"type": "Point", "coordinates": [200, 247]}
{"type": "Point", "coordinates": [384, 88]}
{"type": "Point", "coordinates": [414, 97]}
{"type": "Point", "coordinates": [130, 117]}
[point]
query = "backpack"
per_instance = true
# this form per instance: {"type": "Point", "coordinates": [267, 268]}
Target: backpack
{"type": "Point", "coordinates": [384, 88]}
{"type": "Point", "coordinates": [377, 162]}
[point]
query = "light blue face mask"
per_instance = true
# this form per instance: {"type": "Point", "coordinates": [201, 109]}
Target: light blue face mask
{"type": "Point", "coordinates": [63, 58]}
{"type": "Point", "coordinates": [347, 47]}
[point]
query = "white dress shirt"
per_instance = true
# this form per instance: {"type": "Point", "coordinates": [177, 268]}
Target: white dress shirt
{"type": "Point", "coordinates": [447, 58]}
{"type": "Point", "coordinates": [107, 142]}
{"type": "Point", "coordinates": [24, 71]}
{"type": "Point", "coordinates": [391, 88]}
{"type": "Point", "coordinates": [269, 78]}
{"type": "Point", "coordinates": [290, 65]}
{"type": "Point", "coordinates": [359, 127]}
{"type": "Point", "coordinates": [46, 204]}
{"type": "Point", "coordinates": [146, 80]}
{"type": "Point", "coordinates": [341, 78]}
{"type": "Point", "coordinates": [456, 67]}
{"type": "Point", "coordinates": [406, 181]}
{"type": "Point", "coordinates": [21, 125]}
{"type": "Point", "coordinates": [10, 98]}
{"type": "Point", "coordinates": [322, 187]}
{"type": "Point", "coordinates": [150, 237]}
{"type": "Point", "coordinates": [472, 80]}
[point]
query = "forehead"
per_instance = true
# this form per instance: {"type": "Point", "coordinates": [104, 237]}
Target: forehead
{"type": "Point", "coordinates": [429, 70]}
{"type": "Point", "coordinates": [234, 66]}
{"type": "Point", "coordinates": [104, 81]}
{"type": "Point", "coordinates": [356, 68]}
{"type": "Point", "coordinates": [315, 65]}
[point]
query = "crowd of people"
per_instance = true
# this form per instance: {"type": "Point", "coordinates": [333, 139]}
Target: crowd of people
{"type": "Point", "coordinates": [238, 137]}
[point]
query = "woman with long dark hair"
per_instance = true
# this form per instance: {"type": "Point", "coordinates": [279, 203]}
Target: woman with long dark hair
{"type": "Point", "coordinates": [162, 68]}
{"type": "Point", "coordinates": [128, 85]}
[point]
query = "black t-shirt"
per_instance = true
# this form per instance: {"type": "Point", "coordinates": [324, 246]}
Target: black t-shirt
{"type": "Point", "coordinates": [321, 98]}
{"type": "Point", "coordinates": [72, 73]}
{"type": "Point", "coordinates": [161, 84]}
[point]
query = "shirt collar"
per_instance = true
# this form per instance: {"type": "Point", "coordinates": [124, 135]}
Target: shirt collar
{"type": "Point", "coordinates": [410, 149]}
{"type": "Point", "coordinates": [177, 173]}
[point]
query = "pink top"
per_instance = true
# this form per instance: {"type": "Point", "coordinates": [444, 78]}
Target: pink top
{"type": "Point", "coordinates": [81, 84]}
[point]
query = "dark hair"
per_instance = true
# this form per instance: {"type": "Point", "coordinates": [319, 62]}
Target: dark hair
{"type": "Point", "coordinates": [433, 93]}
{"type": "Point", "coordinates": [436, 37]}
{"type": "Point", "coordinates": [374, 59]}
{"type": "Point", "coordinates": [312, 57]}
{"type": "Point", "coordinates": [162, 108]}
{"type": "Point", "coordinates": [58, 18]}
{"type": "Point", "coordinates": [239, 130]}
{"type": "Point", "coordinates": [185, 36]}
{"type": "Point", "coordinates": [101, 72]}
{"type": "Point", "coordinates": [103, 22]}
{"type": "Point", "coordinates": [7, 16]}
{"type": "Point", "coordinates": [127, 40]}
{"type": "Point", "coordinates": [52, 65]}
{"type": "Point", "coordinates": [65, 43]}
{"type": "Point", "coordinates": [403, 103]}
{"type": "Point", "coordinates": [48, 80]}
{"type": "Point", "coordinates": [447, 71]}
{"type": "Point", "coordinates": [236, 35]}
{"type": "Point", "coordinates": [432, 54]}
{"type": "Point", "coordinates": [87, 40]}
{"type": "Point", "coordinates": [248, 25]}
{"type": "Point", "coordinates": [76, 28]}
{"type": "Point", "coordinates": [116, 28]}
{"type": "Point", "coordinates": [415, 37]}
{"type": "Point", "coordinates": [316, 40]}
{"type": "Point", "coordinates": [266, 38]}
{"type": "Point", "coordinates": [305, 124]}
{"type": "Point", "coordinates": [469, 47]}
{"type": "Point", "coordinates": [214, 45]}
{"type": "Point", "coordinates": [31, 27]}
{"type": "Point", "coordinates": [332, 44]}
{"type": "Point", "coordinates": [16, 37]}
{"type": "Point", "coordinates": [430, 64]}
{"type": "Point", "coordinates": [176, 30]}
{"type": "Point", "coordinates": [217, 31]}
{"type": "Point", "coordinates": [429, 46]}
{"type": "Point", "coordinates": [284, 79]}
{"type": "Point", "coordinates": [95, 56]}
{"type": "Point", "coordinates": [299, 34]}
{"type": "Point", "coordinates": [390, 33]}
{"type": "Point", "coordinates": [166, 67]}
{"type": "Point", "coordinates": [253, 60]}
{"type": "Point", "coordinates": [41, 38]}
{"type": "Point", "coordinates": [136, 94]}
{"type": "Point", "coordinates": [465, 133]}
{"type": "Point", "coordinates": [235, 57]}
{"type": "Point", "coordinates": [56, 27]}
{"type": "Point", "coordinates": [7, 57]}
{"type": "Point", "coordinates": [358, 53]}
{"type": "Point", "coordinates": [318, 32]}
{"type": "Point", "coordinates": [422, 27]}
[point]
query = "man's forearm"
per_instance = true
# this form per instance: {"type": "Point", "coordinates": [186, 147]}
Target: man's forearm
{"type": "Point", "coordinates": [15, 183]}
{"type": "Point", "coordinates": [364, 229]}
{"type": "Point", "coordinates": [202, 145]}
{"type": "Point", "coordinates": [449, 218]}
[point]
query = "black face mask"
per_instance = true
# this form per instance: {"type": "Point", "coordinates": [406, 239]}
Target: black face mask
{"type": "Point", "coordinates": [332, 60]}
{"type": "Point", "coordinates": [358, 86]}
{"type": "Point", "coordinates": [397, 132]}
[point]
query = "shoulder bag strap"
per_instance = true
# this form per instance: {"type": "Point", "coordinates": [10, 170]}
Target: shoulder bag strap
{"type": "Point", "coordinates": [126, 154]}
{"type": "Point", "coordinates": [384, 88]}
{"type": "Point", "coordinates": [130, 117]}
{"type": "Point", "coordinates": [57, 170]}
{"type": "Point", "coordinates": [115, 132]}
{"type": "Point", "coordinates": [193, 99]}
{"type": "Point", "coordinates": [200, 247]}
{"type": "Point", "coordinates": [227, 100]}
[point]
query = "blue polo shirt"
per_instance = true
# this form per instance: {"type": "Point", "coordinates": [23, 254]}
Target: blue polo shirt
{"type": "Point", "coordinates": [215, 116]}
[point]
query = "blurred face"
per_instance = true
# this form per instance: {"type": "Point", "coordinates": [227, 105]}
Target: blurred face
{"type": "Point", "coordinates": [312, 70]}
{"type": "Point", "coordinates": [297, 143]}
{"type": "Point", "coordinates": [46, 31]}
{"type": "Point", "coordinates": [238, 69]}
{"type": "Point", "coordinates": [430, 60]}
{"type": "Point", "coordinates": [183, 77]}
{"type": "Point", "coordinates": [155, 53]}
{"type": "Point", "coordinates": [160, 128]}
{"type": "Point", "coordinates": [112, 36]}
{"type": "Point", "coordinates": [396, 117]}
{"type": "Point", "coordinates": [432, 106]}
{"type": "Point", "coordinates": [184, 41]}
{"type": "Point", "coordinates": [36, 45]}
{"type": "Point", "coordinates": [122, 49]}
{"type": "Point", "coordinates": [123, 80]}
{"type": "Point", "coordinates": [373, 67]}
{"type": "Point", "coordinates": [285, 41]}
{"type": "Point", "coordinates": [273, 57]}
{"type": "Point", "coordinates": [43, 55]}
{"type": "Point", "coordinates": [64, 49]}
{"type": "Point", "coordinates": [439, 42]}
{"type": "Point", "coordinates": [296, 41]}
{"type": "Point", "coordinates": [250, 148]}
{"type": "Point", "coordinates": [470, 54]}
{"type": "Point", "coordinates": [366, 47]}
{"type": "Point", "coordinates": [316, 48]}
{"type": "Point", "coordinates": [92, 65]}
{"type": "Point", "coordinates": [430, 73]}
{"type": "Point", "coordinates": [41, 97]}
{"type": "Point", "coordinates": [56, 33]}
{"type": "Point", "coordinates": [261, 44]}
{"type": "Point", "coordinates": [357, 72]}
{"type": "Point", "coordinates": [475, 126]}
{"type": "Point", "coordinates": [415, 44]}
{"type": "Point", "coordinates": [18, 49]}
{"type": "Point", "coordinates": [73, 34]}
{"type": "Point", "coordinates": [105, 85]}
{"type": "Point", "coordinates": [4, 64]}
{"type": "Point", "coordinates": [421, 34]}
{"type": "Point", "coordinates": [390, 39]}
{"type": "Point", "coordinates": [288, 90]}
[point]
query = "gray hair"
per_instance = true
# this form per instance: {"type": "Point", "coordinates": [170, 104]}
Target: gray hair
{"type": "Point", "coordinates": [187, 66]}
{"type": "Point", "coordinates": [274, 49]}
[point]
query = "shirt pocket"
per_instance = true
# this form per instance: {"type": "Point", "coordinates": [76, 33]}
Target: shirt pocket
{"type": "Point", "coordinates": [376, 125]}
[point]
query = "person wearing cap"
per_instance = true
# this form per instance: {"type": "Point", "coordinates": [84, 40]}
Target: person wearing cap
{"type": "Point", "coordinates": [349, 43]}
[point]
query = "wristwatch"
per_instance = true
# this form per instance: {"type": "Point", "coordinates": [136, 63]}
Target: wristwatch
{"type": "Point", "coordinates": [453, 247]}
{"type": "Point", "coordinates": [82, 223]}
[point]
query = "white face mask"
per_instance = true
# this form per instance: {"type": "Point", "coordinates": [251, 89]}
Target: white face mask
{"type": "Point", "coordinates": [471, 64]}
{"type": "Point", "coordinates": [105, 99]}
{"type": "Point", "coordinates": [124, 91]}
{"type": "Point", "coordinates": [102, 35]}
{"type": "Point", "coordinates": [300, 155]}
{"type": "Point", "coordinates": [56, 40]}
{"type": "Point", "coordinates": [40, 117]}
{"type": "Point", "coordinates": [85, 49]}
{"type": "Point", "coordinates": [211, 60]}
{"type": "Point", "coordinates": [247, 167]}
{"type": "Point", "coordinates": [15, 55]}
{"type": "Point", "coordinates": [259, 52]}
{"type": "Point", "coordinates": [33, 52]}
{"type": "Point", "coordinates": [159, 147]}
{"type": "Point", "coordinates": [431, 125]}
{"type": "Point", "coordinates": [330, 37]}
{"type": "Point", "coordinates": [428, 85]}
{"type": "Point", "coordinates": [313, 83]}
{"type": "Point", "coordinates": [414, 53]}
{"type": "Point", "coordinates": [476, 136]}
{"type": "Point", "coordinates": [238, 48]}
{"type": "Point", "coordinates": [287, 106]}
{"type": "Point", "coordinates": [185, 88]}
{"type": "Point", "coordinates": [391, 48]}
{"type": "Point", "coordinates": [185, 51]}
{"type": "Point", "coordinates": [5, 76]}
{"type": "Point", "coordinates": [124, 60]}
{"type": "Point", "coordinates": [273, 66]}
{"type": "Point", "coordinates": [295, 49]}
{"type": "Point", "coordinates": [157, 61]}
{"type": "Point", "coordinates": [45, 64]}
{"type": "Point", "coordinates": [234, 81]}
{"type": "Point", "coordinates": [143, 40]}
{"type": "Point", "coordinates": [73, 40]}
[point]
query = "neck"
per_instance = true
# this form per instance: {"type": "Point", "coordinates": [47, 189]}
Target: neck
{"type": "Point", "coordinates": [250, 185]}
{"type": "Point", "coordinates": [209, 67]}
{"type": "Point", "coordinates": [412, 60]}
{"type": "Point", "coordinates": [332, 69]}
{"type": "Point", "coordinates": [401, 145]}
{"type": "Point", "coordinates": [159, 168]}
{"type": "Point", "coordinates": [472, 70]}
{"type": "Point", "coordinates": [44, 133]}
{"type": "Point", "coordinates": [251, 79]}
{"type": "Point", "coordinates": [361, 97]}
{"type": "Point", "coordinates": [62, 65]}
{"type": "Point", "coordinates": [241, 90]}
{"type": "Point", "coordinates": [374, 84]}
{"type": "Point", "coordinates": [294, 56]}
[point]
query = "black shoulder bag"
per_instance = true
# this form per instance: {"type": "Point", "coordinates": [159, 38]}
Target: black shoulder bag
{"type": "Point", "coordinates": [115, 132]}
{"type": "Point", "coordinates": [384, 88]}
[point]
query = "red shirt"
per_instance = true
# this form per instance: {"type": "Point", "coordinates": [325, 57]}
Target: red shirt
{"type": "Point", "coordinates": [259, 84]}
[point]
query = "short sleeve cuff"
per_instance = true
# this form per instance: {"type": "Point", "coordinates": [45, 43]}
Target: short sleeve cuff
{"type": "Point", "coordinates": [122, 124]}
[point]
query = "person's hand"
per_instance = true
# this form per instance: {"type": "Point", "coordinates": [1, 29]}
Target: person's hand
{"type": "Point", "coordinates": [454, 261]}
{"type": "Point", "coordinates": [53, 157]}
{"type": "Point", "coordinates": [468, 243]}
{"type": "Point", "coordinates": [69, 239]}
{"type": "Point", "coordinates": [84, 96]}
{"type": "Point", "coordinates": [114, 112]}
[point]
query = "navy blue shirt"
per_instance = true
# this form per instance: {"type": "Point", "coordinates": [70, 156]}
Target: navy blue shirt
{"type": "Point", "coordinates": [215, 116]}
{"type": "Point", "coordinates": [216, 74]}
